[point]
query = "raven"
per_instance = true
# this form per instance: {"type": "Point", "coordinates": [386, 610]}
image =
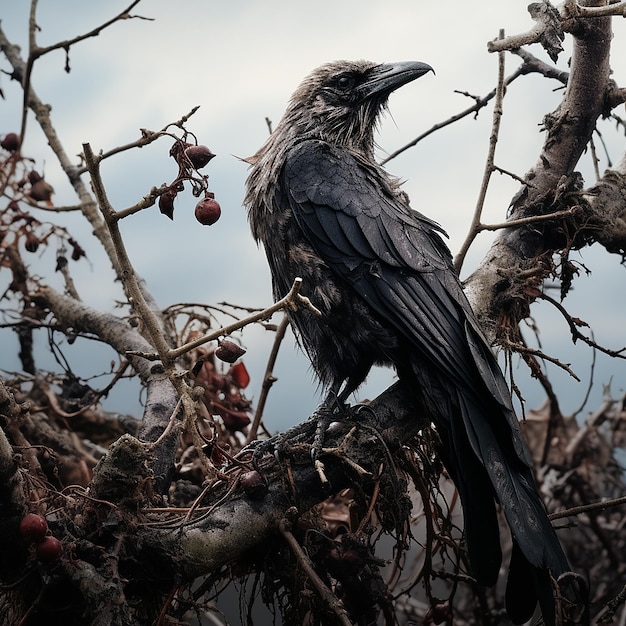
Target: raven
{"type": "Point", "coordinates": [383, 279]}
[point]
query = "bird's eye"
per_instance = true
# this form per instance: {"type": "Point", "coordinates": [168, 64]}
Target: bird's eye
{"type": "Point", "coordinates": [345, 82]}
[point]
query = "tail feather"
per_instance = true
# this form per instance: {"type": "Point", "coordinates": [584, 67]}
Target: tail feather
{"type": "Point", "coordinates": [537, 588]}
{"type": "Point", "coordinates": [515, 489]}
{"type": "Point", "coordinates": [484, 456]}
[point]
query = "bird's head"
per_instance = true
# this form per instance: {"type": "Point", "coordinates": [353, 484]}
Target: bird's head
{"type": "Point", "coordinates": [340, 102]}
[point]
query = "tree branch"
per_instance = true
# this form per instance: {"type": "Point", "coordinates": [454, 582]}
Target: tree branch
{"type": "Point", "coordinates": [495, 288]}
{"type": "Point", "coordinates": [237, 523]}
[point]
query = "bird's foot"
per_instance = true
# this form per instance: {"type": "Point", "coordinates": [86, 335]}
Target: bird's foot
{"type": "Point", "coordinates": [331, 410]}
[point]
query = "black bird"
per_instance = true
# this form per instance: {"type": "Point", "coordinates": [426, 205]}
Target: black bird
{"type": "Point", "coordinates": [382, 276]}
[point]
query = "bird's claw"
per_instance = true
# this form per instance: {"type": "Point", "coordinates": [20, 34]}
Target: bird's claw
{"type": "Point", "coordinates": [325, 415]}
{"type": "Point", "coordinates": [330, 411]}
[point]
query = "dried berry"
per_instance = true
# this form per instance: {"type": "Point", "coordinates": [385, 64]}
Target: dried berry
{"type": "Point", "coordinates": [32, 242]}
{"type": "Point", "coordinates": [229, 351]}
{"type": "Point", "coordinates": [166, 202]}
{"type": "Point", "coordinates": [61, 263]}
{"type": "Point", "coordinates": [240, 375]}
{"type": "Point", "coordinates": [49, 549]}
{"type": "Point", "coordinates": [254, 485]}
{"type": "Point", "coordinates": [198, 156]}
{"type": "Point", "coordinates": [33, 528]}
{"type": "Point", "coordinates": [11, 142]}
{"type": "Point", "coordinates": [34, 177]}
{"type": "Point", "coordinates": [77, 251]}
{"type": "Point", "coordinates": [40, 190]}
{"type": "Point", "coordinates": [208, 211]}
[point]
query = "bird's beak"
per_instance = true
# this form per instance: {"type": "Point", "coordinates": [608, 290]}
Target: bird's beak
{"type": "Point", "coordinates": [387, 77]}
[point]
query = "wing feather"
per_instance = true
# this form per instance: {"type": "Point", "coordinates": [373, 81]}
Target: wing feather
{"type": "Point", "coordinates": [393, 256]}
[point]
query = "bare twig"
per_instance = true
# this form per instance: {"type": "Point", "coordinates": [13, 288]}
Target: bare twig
{"type": "Point", "coordinates": [525, 221]}
{"type": "Point", "coordinates": [268, 379]}
{"type": "Point", "coordinates": [587, 508]}
{"type": "Point", "coordinates": [474, 228]}
{"type": "Point", "coordinates": [522, 349]}
{"type": "Point", "coordinates": [576, 334]}
{"type": "Point", "coordinates": [479, 104]}
{"type": "Point", "coordinates": [326, 595]}
{"type": "Point", "coordinates": [572, 9]}
{"type": "Point", "coordinates": [147, 137]}
{"type": "Point", "coordinates": [293, 300]}
{"type": "Point", "coordinates": [131, 282]}
{"type": "Point", "coordinates": [36, 52]}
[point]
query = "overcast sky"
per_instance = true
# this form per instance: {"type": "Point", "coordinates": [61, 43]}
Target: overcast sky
{"type": "Point", "coordinates": [240, 61]}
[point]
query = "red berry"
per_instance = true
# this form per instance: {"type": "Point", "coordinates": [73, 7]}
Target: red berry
{"type": "Point", "coordinates": [229, 351]}
{"type": "Point", "coordinates": [49, 549]}
{"type": "Point", "coordinates": [33, 527]}
{"type": "Point", "coordinates": [11, 142]}
{"type": "Point", "coordinates": [199, 156]}
{"type": "Point", "coordinates": [208, 211]}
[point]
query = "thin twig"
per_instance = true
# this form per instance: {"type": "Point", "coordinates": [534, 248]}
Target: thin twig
{"type": "Point", "coordinates": [573, 9]}
{"type": "Point", "coordinates": [475, 224]}
{"type": "Point", "coordinates": [131, 282]}
{"type": "Point", "coordinates": [171, 424]}
{"type": "Point", "coordinates": [522, 349]}
{"type": "Point", "coordinates": [479, 104]}
{"type": "Point", "coordinates": [576, 334]}
{"type": "Point", "coordinates": [139, 299]}
{"type": "Point", "coordinates": [332, 602]}
{"type": "Point", "coordinates": [36, 52]}
{"type": "Point", "coordinates": [586, 508]}
{"type": "Point", "coordinates": [268, 378]}
{"type": "Point", "coordinates": [147, 137]}
{"type": "Point", "coordinates": [293, 300]}
{"type": "Point", "coordinates": [531, 219]}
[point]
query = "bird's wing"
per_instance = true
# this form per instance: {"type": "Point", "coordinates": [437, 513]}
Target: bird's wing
{"type": "Point", "coordinates": [393, 256]}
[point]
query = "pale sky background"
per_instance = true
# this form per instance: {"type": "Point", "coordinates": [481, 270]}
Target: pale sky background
{"type": "Point", "coordinates": [240, 61]}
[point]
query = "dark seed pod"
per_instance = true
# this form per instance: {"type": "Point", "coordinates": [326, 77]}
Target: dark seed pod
{"type": "Point", "coordinates": [40, 190]}
{"type": "Point", "coordinates": [34, 177]}
{"type": "Point", "coordinates": [229, 351]}
{"type": "Point", "coordinates": [178, 148]}
{"type": "Point", "coordinates": [166, 203]}
{"type": "Point", "coordinates": [199, 156]}
{"type": "Point", "coordinates": [32, 242]}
